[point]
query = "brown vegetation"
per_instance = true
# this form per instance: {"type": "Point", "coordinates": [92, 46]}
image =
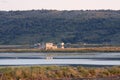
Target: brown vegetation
{"type": "Point", "coordinates": [88, 49]}
{"type": "Point", "coordinates": [58, 72]}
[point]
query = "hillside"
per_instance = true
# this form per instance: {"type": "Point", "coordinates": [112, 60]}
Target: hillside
{"type": "Point", "coordinates": [90, 26]}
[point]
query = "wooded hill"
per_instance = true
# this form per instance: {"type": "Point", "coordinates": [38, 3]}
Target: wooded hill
{"type": "Point", "coordinates": [78, 26]}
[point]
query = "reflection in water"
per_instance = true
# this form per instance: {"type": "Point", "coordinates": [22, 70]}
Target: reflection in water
{"type": "Point", "coordinates": [58, 61]}
{"type": "Point", "coordinates": [60, 58]}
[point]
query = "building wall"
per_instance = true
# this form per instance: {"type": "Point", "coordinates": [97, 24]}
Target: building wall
{"type": "Point", "coordinates": [50, 46]}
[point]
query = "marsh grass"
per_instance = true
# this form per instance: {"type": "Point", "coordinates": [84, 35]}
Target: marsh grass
{"type": "Point", "coordinates": [57, 72]}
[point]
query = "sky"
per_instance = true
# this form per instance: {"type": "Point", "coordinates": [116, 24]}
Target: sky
{"type": "Point", "coordinates": [59, 4]}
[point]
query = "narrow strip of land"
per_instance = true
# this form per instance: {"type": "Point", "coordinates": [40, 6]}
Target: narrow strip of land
{"type": "Point", "coordinates": [88, 49]}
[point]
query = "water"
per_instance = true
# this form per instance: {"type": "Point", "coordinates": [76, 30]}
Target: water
{"type": "Point", "coordinates": [57, 62]}
{"type": "Point", "coordinates": [59, 59]}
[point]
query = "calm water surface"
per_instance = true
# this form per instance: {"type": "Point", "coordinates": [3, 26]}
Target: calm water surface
{"type": "Point", "coordinates": [60, 58]}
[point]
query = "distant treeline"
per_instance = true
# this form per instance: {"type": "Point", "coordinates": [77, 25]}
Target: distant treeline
{"type": "Point", "coordinates": [77, 26]}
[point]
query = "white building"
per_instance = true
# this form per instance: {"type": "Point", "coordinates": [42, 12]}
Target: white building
{"type": "Point", "coordinates": [50, 46]}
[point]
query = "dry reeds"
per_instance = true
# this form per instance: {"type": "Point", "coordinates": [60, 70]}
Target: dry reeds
{"type": "Point", "coordinates": [56, 72]}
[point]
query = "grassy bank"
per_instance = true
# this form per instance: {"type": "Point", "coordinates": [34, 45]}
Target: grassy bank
{"type": "Point", "coordinates": [88, 49]}
{"type": "Point", "coordinates": [56, 72]}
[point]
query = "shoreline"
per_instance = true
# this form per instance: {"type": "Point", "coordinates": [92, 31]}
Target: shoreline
{"type": "Point", "coordinates": [65, 65]}
{"type": "Point", "coordinates": [69, 50]}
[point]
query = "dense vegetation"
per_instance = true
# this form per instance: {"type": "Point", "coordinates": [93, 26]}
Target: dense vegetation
{"type": "Point", "coordinates": [90, 26]}
{"type": "Point", "coordinates": [58, 73]}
